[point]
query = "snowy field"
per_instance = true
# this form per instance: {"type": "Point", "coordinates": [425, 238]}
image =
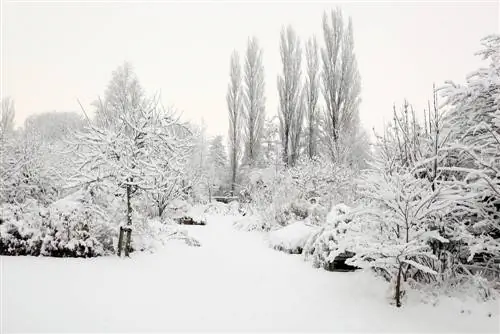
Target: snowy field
{"type": "Point", "coordinates": [233, 282]}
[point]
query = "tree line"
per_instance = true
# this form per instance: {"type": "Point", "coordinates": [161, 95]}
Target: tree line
{"type": "Point", "coordinates": [318, 113]}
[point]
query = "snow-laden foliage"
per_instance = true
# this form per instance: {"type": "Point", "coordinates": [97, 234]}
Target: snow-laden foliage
{"type": "Point", "coordinates": [292, 238]}
{"type": "Point", "coordinates": [281, 196]}
{"type": "Point", "coordinates": [324, 245]}
{"type": "Point", "coordinates": [136, 144]}
{"type": "Point", "coordinates": [70, 227]}
{"type": "Point", "coordinates": [430, 201]}
{"type": "Point", "coordinates": [249, 223]}
{"type": "Point", "coordinates": [474, 147]}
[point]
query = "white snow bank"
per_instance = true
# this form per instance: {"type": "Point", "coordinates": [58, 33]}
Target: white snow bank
{"type": "Point", "coordinates": [291, 238]}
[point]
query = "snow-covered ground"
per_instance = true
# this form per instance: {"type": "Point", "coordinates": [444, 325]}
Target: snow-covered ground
{"type": "Point", "coordinates": [234, 281]}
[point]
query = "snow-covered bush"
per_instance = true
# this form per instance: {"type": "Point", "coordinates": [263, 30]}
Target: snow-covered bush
{"type": "Point", "coordinates": [217, 208]}
{"type": "Point", "coordinates": [291, 238]}
{"type": "Point", "coordinates": [473, 152]}
{"type": "Point", "coordinates": [177, 208]}
{"type": "Point", "coordinates": [249, 223]}
{"type": "Point", "coordinates": [326, 247]}
{"type": "Point", "coordinates": [233, 208]}
{"type": "Point", "coordinates": [283, 196]}
{"type": "Point", "coordinates": [431, 204]}
{"type": "Point", "coordinates": [67, 228]}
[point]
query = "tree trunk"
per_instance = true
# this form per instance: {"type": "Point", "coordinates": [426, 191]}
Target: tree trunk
{"type": "Point", "coordinates": [233, 177]}
{"type": "Point", "coordinates": [311, 134]}
{"type": "Point", "coordinates": [120, 242]}
{"type": "Point", "coordinates": [397, 295]}
{"type": "Point", "coordinates": [285, 148]}
{"type": "Point", "coordinates": [129, 218]}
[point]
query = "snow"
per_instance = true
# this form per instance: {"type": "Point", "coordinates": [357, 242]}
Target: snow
{"type": "Point", "coordinates": [291, 237]}
{"type": "Point", "coordinates": [233, 282]}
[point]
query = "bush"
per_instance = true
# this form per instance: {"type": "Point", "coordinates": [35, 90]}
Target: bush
{"type": "Point", "coordinates": [69, 227]}
{"type": "Point", "coordinates": [291, 238]}
{"type": "Point", "coordinates": [325, 248]}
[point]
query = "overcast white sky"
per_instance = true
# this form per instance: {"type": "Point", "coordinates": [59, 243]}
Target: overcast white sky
{"type": "Point", "coordinates": [55, 53]}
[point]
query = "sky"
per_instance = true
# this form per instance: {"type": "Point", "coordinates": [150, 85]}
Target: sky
{"type": "Point", "coordinates": [54, 54]}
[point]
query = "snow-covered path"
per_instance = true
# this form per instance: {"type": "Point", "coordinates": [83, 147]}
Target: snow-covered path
{"type": "Point", "coordinates": [233, 282]}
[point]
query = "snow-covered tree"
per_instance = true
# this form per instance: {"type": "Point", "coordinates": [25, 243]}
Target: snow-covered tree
{"type": "Point", "coordinates": [290, 94]}
{"type": "Point", "coordinates": [395, 232]}
{"type": "Point", "coordinates": [136, 148]}
{"type": "Point", "coordinates": [8, 113]}
{"type": "Point", "coordinates": [53, 126]}
{"type": "Point", "coordinates": [341, 80]}
{"type": "Point", "coordinates": [271, 142]}
{"type": "Point", "coordinates": [473, 152]}
{"type": "Point", "coordinates": [198, 165]}
{"type": "Point", "coordinates": [124, 92]}
{"type": "Point", "coordinates": [312, 94]}
{"type": "Point", "coordinates": [217, 163]}
{"type": "Point", "coordinates": [254, 101]}
{"type": "Point", "coordinates": [234, 105]}
{"type": "Point", "coordinates": [173, 182]}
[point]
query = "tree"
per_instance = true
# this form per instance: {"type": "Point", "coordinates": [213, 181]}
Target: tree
{"type": "Point", "coordinates": [395, 233]}
{"type": "Point", "coordinates": [124, 93]}
{"type": "Point", "coordinates": [198, 165]}
{"type": "Point", "coordinates": [272, 142]}
{"type": "Point", "coordinates": [7, 116]}
{"type": "Point", "coordinates": [136, 149]}
{"type": "Point", "coordinates": [341, 80]}
{"type": "Point", "coordinates": [217, 162]}
{"type": "Point", "coordinates": [473, 152]}
{"type": "Point", "coordinates": [171, 183]}
{"type": "Point", "coordinates": [254, 101]}
{"type": "Point", "coordinates": [289, 89]}
{"type": "Point", "coordinates": [312, 93]}
{"type": "Point", "coordinates": [234, 100]}
{"type": "Point", "coordinates": [53, 126]}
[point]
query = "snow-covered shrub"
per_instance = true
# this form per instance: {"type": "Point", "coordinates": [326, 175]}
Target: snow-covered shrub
{"type": "Point", "coordinates": [473, 158]}
{"type": "Point", "coordinates": [325, 247]}
{"type": "Point", "coordinates": [177, 208]}
{"type": "Point", "coordinates": [291, 238]}
{"type": "Point", "coordinates": [233, 208]}
{"type": "Point", "coordinates": [216, 208]}
{"type": "Point", "coordinates": [431, 215]}
{"type": "Point", "coordinates": [74, 226]}
{"type": "Point", "coordinates": [176, 233]}
{"type": "Point", "coordinates": [250, 223]}
{"type": "Point", "coordinates": [282, 196]}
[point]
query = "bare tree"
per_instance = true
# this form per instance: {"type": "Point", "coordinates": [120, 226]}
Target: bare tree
{"type": "Point", "coordinates": [7, 115]}
{"type": "Point", "coordinates": [341, 80]}
{"type": "Point", "coordinates": [289, 90]}
{"type": "Point", "coordinates": [254, 100]}
{"type": "Point", "coordinates": [233, 98]}
{"type": "Point", "coordinates": [312, 93]}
